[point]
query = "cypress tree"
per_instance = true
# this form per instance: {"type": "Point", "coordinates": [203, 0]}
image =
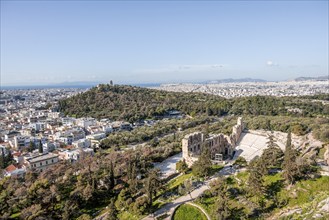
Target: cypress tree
{"type": "Point", "coordinates": [152, 185]}
{"type": "Point", "coordinates": [31, 147]}
{"type": "Point", "coordinates": [290, 166]}
{"type": "Point", "coordinates": [2, 159]}
{"type": "Point", "coordinates": [9, 158]}
{"type": "Point", "coordinates": [111, 174]}
{"type": "Point", "coordinates": [255, 180]}
{"type": "Point", "coordinates": [40, 147]}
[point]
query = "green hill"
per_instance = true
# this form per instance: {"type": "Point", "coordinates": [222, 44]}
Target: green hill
{"type": "Point", "coordinates": [133, 103]}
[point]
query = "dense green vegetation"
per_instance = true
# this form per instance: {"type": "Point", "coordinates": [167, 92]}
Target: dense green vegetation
{"type": "Point", "coordinates": [188, 212]}
{"type": "Point", "coordinates": [324, 97]}
{"type": "Point", "coordinates": [153, 133]}
{"type": "Point", "coordinates": [202, 167]}
{"type": "Point", "coordinates": [243, 204]}
{"type": "Point", "coordinates": [259, 193]}
{"type": "Point", "coordinates": [133, 103]}
{"type": "Point", "coordinates": [67, 191]}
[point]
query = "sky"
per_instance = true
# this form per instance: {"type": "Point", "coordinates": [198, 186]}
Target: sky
{"type": "Point", "coordinates": [46, 42]}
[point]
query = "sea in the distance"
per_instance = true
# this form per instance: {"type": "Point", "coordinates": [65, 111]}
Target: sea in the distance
{"type": "Point", "coordinates": [67, 86]}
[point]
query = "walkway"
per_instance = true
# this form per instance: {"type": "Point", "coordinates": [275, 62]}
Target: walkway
{"type": "Point", "coordinates": [168, 166]}
{"type": "Point", "coordinates": [170, 207]}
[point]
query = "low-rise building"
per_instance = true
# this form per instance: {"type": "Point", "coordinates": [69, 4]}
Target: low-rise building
{"type": "Point", "coordinates": [17, 171]}
{"type": "Point", "coordinates": [86, 122]}
{"type": "Point", "coordinates": [83, 143]}
{"type": "Point", "coordinates": [98, 136]}
{"type": "Point", "coordinates": [11, 135]}
{"type": "Point", "coordinates": [41, 162]}
{"type": "Point", "coordinates": [3, 149]}
{"type": "Point", "coordinates": [74, 155]}
{"type": "Point", "coordinates": [21, 142]}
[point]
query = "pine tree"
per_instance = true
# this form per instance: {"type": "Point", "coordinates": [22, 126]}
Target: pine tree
{"type": "Point", "coordinates": [222, 209]}
{"type": "Point", "coordinates": [201, 168]}
{"type": "Point", "coordinates": [272, 155]}
{"type": "Point", "coordinates": [271, 141]}
{"type": "Point", "coordinates": [188, 186]}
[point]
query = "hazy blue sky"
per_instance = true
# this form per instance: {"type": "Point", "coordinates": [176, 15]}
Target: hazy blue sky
{"type": "Point", "coordinates": [161, 41]}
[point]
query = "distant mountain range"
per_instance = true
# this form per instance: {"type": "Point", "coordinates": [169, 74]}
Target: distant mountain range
{"type": "Point", "coordinates": [86, 84]}
{"type": "Point", "coordinates": [319, 78]}
{"type": "Point", "coordinates": [230, 80]}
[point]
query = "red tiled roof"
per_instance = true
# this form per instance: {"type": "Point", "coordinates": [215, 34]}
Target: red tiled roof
{"type": "Point", "coordinates": [10, 168]}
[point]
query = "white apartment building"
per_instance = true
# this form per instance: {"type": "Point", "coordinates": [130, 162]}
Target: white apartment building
{"type": "Point", "coordinates": [75, 154]}
{"type": "Point", "coordinates": [39, 126]}
{"type": "Point", "coordinates": [82, 143]}
{"type": "Point", "coordinates": [54, 115]}
{"type": "Point", "coordinates": [86, 122]}
{"type": "Point", "coordinates": [20, 142]}
{"type": "Point", "coordinates": [98, 136]}
{"type": "Point", "coordinates": [42, 162]}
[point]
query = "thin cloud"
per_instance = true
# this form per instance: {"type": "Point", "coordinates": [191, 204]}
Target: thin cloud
{"type": "Point", "coordinates": [271, 63]}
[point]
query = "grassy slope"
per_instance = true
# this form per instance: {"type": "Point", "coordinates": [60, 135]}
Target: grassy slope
{"type": "Point", "coordinates": [178, 181]}
{"type": "Point", "coordinates": [306, 195]}
{"type": "Point", "coordinates": [188, 212]}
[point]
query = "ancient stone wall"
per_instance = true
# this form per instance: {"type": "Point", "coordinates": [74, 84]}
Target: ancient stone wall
{"type": "Point", "coordinates": [218, 144]}
{"type": "Point", "coordinates": [191, 145]}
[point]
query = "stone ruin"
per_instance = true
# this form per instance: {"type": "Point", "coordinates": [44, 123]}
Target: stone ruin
{"type": "Point", "coordinates": [221, 146]}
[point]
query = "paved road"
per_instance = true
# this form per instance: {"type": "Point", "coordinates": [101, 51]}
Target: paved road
{"type": "Point", "coordinates": [170, 207]}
